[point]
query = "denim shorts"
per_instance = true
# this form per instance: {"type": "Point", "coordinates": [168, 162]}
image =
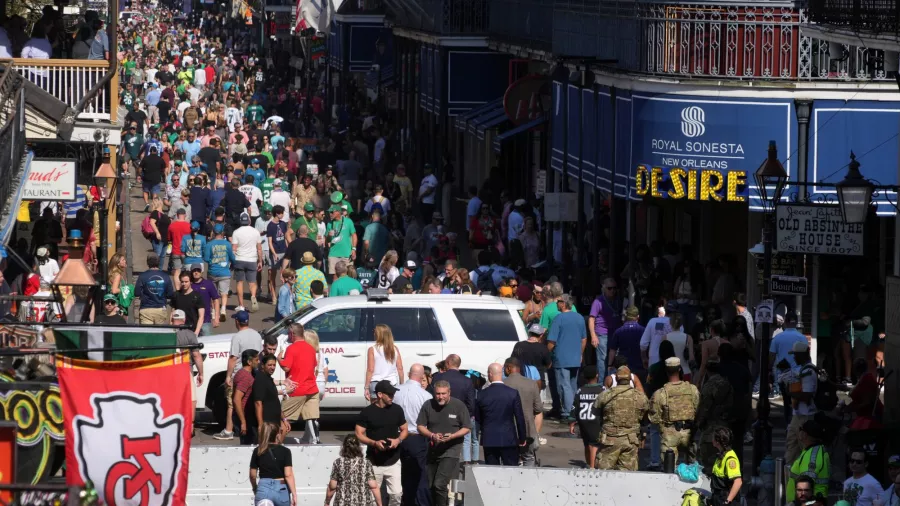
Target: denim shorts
{"type": "Point", "coordinates": [153, 189]}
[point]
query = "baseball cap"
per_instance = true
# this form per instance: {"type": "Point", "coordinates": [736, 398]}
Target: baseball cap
{"type": "Point", "coordinates": [111, 297]}
{"type": "Point", "coordinates": [673, 362]}
{"type": "Point", "coordinates": [812, 428]}
{"type": "Point", "coordinates": [519, 203]}
{"type": "Point", "coordinates": [309, 207]}
{"type": "Point", "coordinates": [267, 208]}
{"type": "Point", "coordinates": [195, 225]}
{"type": "Point", "coordinates": [195, 267]}
{"type": "Point", "coordinates": [437, 216]}
{"type": "Point", "coordinates": [536, 329]}
{"type": "Point", "coordinates": [893, 461]}
{"type": "Point", "coordinates": [242, 316]}
{"type": "Point", "coordinates": [623, 372]}
{"type": "Point", "coordinates": [255, 160]}
{"type": "Point", "coordinates": [245, 219]}
{"type": "Point", "coordinates": [277, 182]}
{"type": "Point", "coordinates": [412, 265]}
{"type": "Point", "coordinates": [799, 347]}
{"type": "Point", "coordinates": [335, 208]}
{"type": "Point", "coordinates": [219, 228]}
{"type": "Point", "coordinates": [385, 387]}
{"type": "Point", "coordinates": [178, 314]}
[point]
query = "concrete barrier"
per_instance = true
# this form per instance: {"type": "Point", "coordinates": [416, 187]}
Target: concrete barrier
{"type": "Point", "coordinates": [507, 486]}
{"type": "Point", "coordinates": [219, 475]}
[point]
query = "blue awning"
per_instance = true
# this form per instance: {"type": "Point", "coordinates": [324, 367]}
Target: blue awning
{"type": "Point", "coordinates": [524, 127]}
{"type": "Point", "coordinates": [491, 123]}
{"type": "Point", "coordinates": [475, 123]}
{"type": "Point", "coordinates": [464, 118]}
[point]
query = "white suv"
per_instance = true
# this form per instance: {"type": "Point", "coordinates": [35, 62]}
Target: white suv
{"type": "Point", "coordinates": [426, 328]}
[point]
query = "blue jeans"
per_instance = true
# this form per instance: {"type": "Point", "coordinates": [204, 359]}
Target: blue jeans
{"type": "Point", "coordinates": [601, 351]}
{"type": "Point", "coordinates": [159, 247]}
{"type": "Point", "coordinates": [655, 444]}
{"type": "Point", "coordinates": [206, 329]}
{"type": "Point", "coordinates": [273, 490]}
{"type": "Point", "coordinates": [471, 450]}
{"type": "Point", "coordinates": [567, 382]}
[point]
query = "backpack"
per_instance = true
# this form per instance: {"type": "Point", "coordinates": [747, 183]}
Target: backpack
{"type": "Point", "coordinates": [147, 228]}
{"type": "Point", "coordinates": [485, 282]}
{"type": "Point", "coordinates": [376, 206]}
{"type": "Point", "coordinates": [825, 398]}
{"type": "Point", "coordinates": [693, 497]}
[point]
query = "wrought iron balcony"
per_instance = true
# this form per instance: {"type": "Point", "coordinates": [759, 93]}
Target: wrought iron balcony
{"type": "Point", "coordinates": [523, 21]}
{"type": "Point", "coordinates": [451, 17]}
{"type": "Point", "coordinates": [876, 16]}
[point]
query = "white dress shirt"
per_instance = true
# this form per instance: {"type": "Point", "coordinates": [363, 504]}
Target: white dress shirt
{"type": "Point", "coordinates": [411, 397]}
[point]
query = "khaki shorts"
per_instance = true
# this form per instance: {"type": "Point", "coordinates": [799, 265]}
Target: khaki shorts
{"type": "Point", "coordinates": [332, 261]}
{"type": "Point", "coordinates": [153, 316]}
{"type": "Point", "coordinates": [302, 406]}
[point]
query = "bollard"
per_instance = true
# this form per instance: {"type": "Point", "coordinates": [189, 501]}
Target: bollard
{"type": "Point", "coordinates": [779, 481]}
{"type": "Point", "coordinates": [669, 462]}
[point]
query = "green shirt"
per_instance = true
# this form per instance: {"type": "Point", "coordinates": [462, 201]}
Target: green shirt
{"type": "Point", "coordinates": [255, 113]}
{"type": "Point", "coordinates": [549, 314]}
{"type": "Point", "coordinates": [345, 285]}
{"type": "Point", "coordinates": [266, 188]}
{"type": "Point", "coordinates": [379, 240]}
{"type": "Point", "coordinates": [342, 243]}
{"type": "Point", "coordinates": [366, 276]}
{"type": "Point", "coordinates": [312, 225]}
{"type": "Point", "coordinates": [128, 99]}
{"type": "Point", "coordinates": [129, 67]}
{"type": "Point", "coordinates": [269, 157]}
{"type": "Point", "coordinates": [133, 144]}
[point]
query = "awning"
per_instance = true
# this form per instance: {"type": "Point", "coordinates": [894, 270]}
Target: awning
{"type": "Point", "coordinates": [463, 119]}
{"type": "Point", "coordinates": [475, 123]}
{"type": "Point", "coordinates": [524, 127]}
{"type": "Point", "coordinates": [492, 123]}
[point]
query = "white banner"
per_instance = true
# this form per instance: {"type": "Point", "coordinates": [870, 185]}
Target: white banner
{"type": "Point", "coordinates": [816, 229]}
{"type": "Point", "coordinates": [51, 179]}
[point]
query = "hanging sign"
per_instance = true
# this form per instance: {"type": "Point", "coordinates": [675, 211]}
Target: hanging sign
{"type": "Point", "coordinates": [788, 285]}
{"type": "Point", "coordinates": [50, 179]}
{"type": "Point", "coordinates": [816, 229]}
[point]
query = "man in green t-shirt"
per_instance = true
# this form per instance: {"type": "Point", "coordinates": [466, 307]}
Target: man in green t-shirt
{"type": "Point", "coordinates": [344, 284]}
{"type": "Point", "coordinates": [255, 112]}
{"type": "Point", "coordinates": [128, 97]}
{"type": "Point", "coordinates": [341, 237]}
{"type": "Point", "coordinates": [376, 239]}
{"type": "Point", "coordinates": [366, 274]}
{"type": "Point", "coordinates": [132, 142]}
{"type": "Point", "coordinates": [551, 310]}
{"type": "Point", "coordinates": [308, 218]}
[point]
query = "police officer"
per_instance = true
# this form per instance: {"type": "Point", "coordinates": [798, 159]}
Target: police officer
{"type": "Point", "coordinates": [814, 461]}
{"type": "Point", "coordinates": [673, 407]}
{"type": "Point", "coordinates": [726, 470]}
{"type": "Point", "coordinates": [713, 412]}
{"type": "Point", "coordinates": [621, 409]}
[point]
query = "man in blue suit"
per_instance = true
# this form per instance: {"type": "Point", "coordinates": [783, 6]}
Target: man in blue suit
{"type": "Point", "coordinates": [498, 410]}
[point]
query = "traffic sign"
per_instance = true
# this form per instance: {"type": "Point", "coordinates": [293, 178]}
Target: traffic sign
{"type": "Point", "coordinates": [788, 285]}
{"type": "Point", "coordinates": [764, 311]}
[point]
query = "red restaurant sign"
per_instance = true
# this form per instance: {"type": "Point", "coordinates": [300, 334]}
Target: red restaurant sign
{"type": "Point", "coordinates": [526, 99]}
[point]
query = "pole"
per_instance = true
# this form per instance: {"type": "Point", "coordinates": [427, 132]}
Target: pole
{"type": "Point", "coordinates": [102, 255]}
{"type": "Point", "coordinates": [803, 109]}
{"type": "Point", "coordinates": [613, 208]}
{"type": "Point", "coordinates": [762, 439]}
{"type": "Point", "coordinates": [581, 226]}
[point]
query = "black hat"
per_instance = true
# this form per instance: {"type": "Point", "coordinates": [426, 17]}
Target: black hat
{"type": "Point", "coordinates": [385, 387]}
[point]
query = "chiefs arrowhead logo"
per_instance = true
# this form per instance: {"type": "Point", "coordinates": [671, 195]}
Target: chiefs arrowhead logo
{"type": "Point", "coordinates": [129, 449]}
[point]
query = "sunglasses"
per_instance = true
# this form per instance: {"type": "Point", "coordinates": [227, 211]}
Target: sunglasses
{"type": "Point", "coordinates": [109, 302]}
{"type": "Point", "coordinates": [857, 461]}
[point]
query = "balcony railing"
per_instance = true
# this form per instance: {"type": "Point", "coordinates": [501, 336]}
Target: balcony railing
{"type": "Point", "coordinates": [70, 81]}
{"type": "Point", "coordinates": [456, 17]}
{"type": "Point", "coordinates": [523, 21]}
{"type": "Point", "coordinates": [877, 16]}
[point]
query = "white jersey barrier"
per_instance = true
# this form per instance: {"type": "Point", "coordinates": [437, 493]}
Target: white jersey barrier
{"type": "Point", "coordinates": [508, 486]}
{"type": "Point", "coordinates": [219, 475]}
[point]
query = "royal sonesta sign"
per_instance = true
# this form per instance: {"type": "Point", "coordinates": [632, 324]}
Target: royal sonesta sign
{"type": "Point", "coordinates": [704, 148]}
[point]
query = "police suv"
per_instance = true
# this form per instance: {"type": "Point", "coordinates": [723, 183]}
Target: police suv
{"type": "Point", "coordinates": [426, 328]}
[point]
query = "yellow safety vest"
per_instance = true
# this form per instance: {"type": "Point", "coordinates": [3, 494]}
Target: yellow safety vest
{"type": "Point", "coordinates": [815, 463]}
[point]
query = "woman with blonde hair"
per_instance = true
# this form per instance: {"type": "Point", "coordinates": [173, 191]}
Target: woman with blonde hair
{"type": "Point", "coordinates": [271, 469]}
{"type": "Point", "coordinates": [387, 270]}
{"type": "Point", "coordinates": [463, 281]}
{"type": "Point", "coordinates": [352, 480]}
{"type": "Point", "coordinates": [383, 361]}
{"type": "Point", "coordinates": [117, 266]}
{"type": "Point", "coordinates": [312, 338]}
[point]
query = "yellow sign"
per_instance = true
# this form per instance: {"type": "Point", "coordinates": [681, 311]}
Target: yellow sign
{"type": "Point", "coordinates": [692, 184]}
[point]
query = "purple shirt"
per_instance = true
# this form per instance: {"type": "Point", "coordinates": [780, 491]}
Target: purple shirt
{"type": "Point", "coordinates": [208, 292]}
{"type": "Point", "coordinates": [627, 341]}
{"type": "Point", "coordinates": [606, 317]}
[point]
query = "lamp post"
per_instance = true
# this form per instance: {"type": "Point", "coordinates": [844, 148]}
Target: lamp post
{"type": "Point", "coordinates": [770, 182]}
{"type": "Point", "coordinates": [102, 178]}
{"type": "Point", "coordinates": [74, 272]}
{"type": "Point", "coordinates": [854, 194]}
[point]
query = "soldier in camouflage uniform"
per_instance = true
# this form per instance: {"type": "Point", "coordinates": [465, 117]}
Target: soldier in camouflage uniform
{"type": "Point", "coordinates": [673, 408]}
{"type": "Point", "coordinates": [714, 411]}
{"type": "Point", "coordinates": [621, 408]}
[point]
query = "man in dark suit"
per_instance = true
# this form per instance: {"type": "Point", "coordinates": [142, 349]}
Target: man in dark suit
{"type": "Point", "coordinates": [462, 388]}
{"type": "Point", "coordinates": [498, 410]}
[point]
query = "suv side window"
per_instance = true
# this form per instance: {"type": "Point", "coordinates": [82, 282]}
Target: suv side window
{"type": "Point", "coordinates": [487, 324]}
{"type": "Point", "coordinates": [406, 323]}
{"type": "Point", "coordinates": [338, 326]}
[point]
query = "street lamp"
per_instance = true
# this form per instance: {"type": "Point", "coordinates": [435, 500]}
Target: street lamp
{"type": "Point", "coordinates": [854, 194]}
{"type": "Point", "coordinates": [770, 183]}
{"type": "Point", "coordinates": [103, 178]}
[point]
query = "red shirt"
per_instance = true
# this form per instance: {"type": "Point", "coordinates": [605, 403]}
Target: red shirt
{"type": "Point", "coordinates": [177, 230]}
{"type": "Point", "coordinates": [210, 75]}
{"type": "Point", "coordinates": [243, 382]}
{"type": "Point", "coordinates": [300, 359]}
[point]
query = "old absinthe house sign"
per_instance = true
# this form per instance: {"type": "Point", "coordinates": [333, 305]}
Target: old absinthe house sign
{"type": "Point", "coordinates": [816, 229]}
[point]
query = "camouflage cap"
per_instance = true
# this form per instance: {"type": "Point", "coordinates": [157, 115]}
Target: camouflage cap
{"type": "Point", "coordinates": [623, 372]}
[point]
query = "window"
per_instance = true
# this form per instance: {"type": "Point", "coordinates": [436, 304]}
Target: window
{"type": "Point", "coordinates": [487, 324]}
{"type": "Point", "coordinates": [407, 323]}
{"type": "Point", "coordinates": [338, 326]}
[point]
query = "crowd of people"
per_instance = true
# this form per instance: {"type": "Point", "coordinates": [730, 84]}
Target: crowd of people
{"type": "Point", "coordinates": [255, 190]}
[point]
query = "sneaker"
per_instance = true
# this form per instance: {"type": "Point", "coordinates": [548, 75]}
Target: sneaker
{"type": "Point", "coordinates": [254, 305]}
{"type": "Point", "coordinates": [542, 440]}
{"type": "Point", "coordinates": [222, 317]}
{"type": "Point", "coordinates": [224, 435]}
{"type": "Point", "coordinates": [147, 208]}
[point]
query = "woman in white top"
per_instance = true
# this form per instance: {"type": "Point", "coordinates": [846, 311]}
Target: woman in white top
{"type": "Point", "coordinates": [383, 361]}
{"type": "Point", "coordinates": [610, 380]}
{"type": "Point", "coordinates": [684, 345]}
{"type": "Point", "coordinates": [387, 271]}
{"type": "Point", "coordinates": [45, 266]}
{"type": "Point", "coordinates": [38, 46]}
{"type": "Point", "coordinates": [312, 338]}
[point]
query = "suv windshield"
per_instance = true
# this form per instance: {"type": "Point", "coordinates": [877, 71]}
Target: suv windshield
{"type": "Point", "coordinates": [281, 327]}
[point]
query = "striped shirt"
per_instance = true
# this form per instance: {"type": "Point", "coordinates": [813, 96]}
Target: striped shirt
{"type": "Point", "coordinates": [80, 202]}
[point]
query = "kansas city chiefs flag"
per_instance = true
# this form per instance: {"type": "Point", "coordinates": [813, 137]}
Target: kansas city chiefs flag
{"type": "Point", "coordinates": [128, 428]}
